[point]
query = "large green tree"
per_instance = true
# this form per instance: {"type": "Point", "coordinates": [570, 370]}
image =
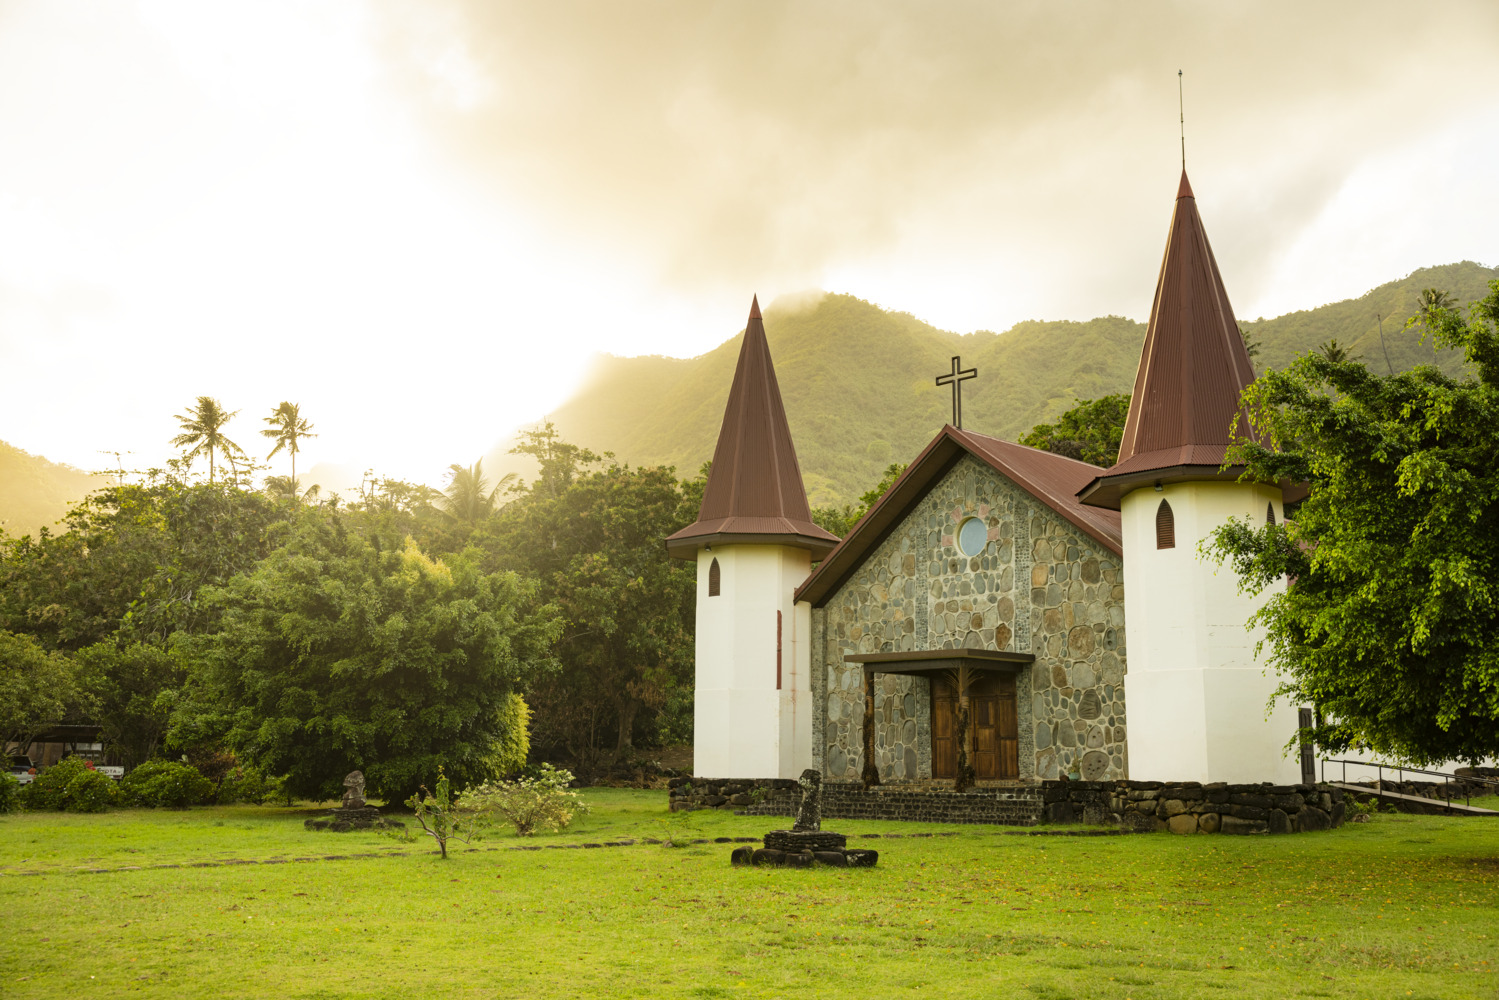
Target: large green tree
{"type": "Point", "coordinates": [38, 689]}
{"type": "Point", "coordinates": [591, 530]}
{"type": "Point", "coordinates": [1389, 622]}
{"type": "Point", "coordinates": [131, 690]}
{"type": "Point", "coordinates": [134, 559]}
{"type": "Point", "coordinates": [340, 652]}
{"type": "Point", "coordinates": [1089, 432]}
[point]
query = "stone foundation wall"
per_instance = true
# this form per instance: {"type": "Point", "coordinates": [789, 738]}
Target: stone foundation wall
{"type": "Point", "coordinates": [1191, 807]}
{"type": "Point", "coordinates": [1001, 805]}
{"type": "Point", "coordinates": [1135, 806]}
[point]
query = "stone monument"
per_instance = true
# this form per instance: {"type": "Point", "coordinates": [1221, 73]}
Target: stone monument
{"type": "Point", "coordinates": [353, 813]}
{"type": "Point", "coordinates": [806, 843]}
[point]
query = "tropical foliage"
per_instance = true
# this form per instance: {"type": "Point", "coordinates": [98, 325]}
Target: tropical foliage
{"type": "Point", "coordinates": [340, 652]}
{"type": "Point", "coordinates": [1388, 623]}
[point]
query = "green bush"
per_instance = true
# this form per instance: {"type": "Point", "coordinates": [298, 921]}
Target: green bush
{"type": "Point", "coordinates": [91, 792]}
{"type": "Point", "coordinates": [158, 783]}
{"type": "Point", "coordinates": [248, 784]}
{"type": "Point", "coordinates": [50, 789]}
{"type": "Point", "coordinates": [10, 794]}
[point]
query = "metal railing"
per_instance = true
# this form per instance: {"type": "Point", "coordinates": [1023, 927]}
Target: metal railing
{"type": "Point", "coordinates": [1467, 781]}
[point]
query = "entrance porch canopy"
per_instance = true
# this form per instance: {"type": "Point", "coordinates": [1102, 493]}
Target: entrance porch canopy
{"type": "Point", "coordinates": [917, 663]}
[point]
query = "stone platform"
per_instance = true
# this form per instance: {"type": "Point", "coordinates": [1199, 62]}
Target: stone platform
{"type": "Point", "coordinates": [344, 819]}
{"type": "Point", "coordinates": [794, 842]}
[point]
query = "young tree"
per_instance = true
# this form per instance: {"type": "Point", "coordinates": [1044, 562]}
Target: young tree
{"type": "Point", "coordinates": [203, 431]}
{"type": "Point", "coordinates": [339, 652]}
{"type": "Point", "coordinates": [287, 427]}
{"type": "Point", "coordinates": [1089, 432]}
{"type": "Point", "coordinates": [1389, 620]}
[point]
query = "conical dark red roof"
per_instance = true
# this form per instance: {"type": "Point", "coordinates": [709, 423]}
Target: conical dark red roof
{"type": "Point", "coordinates": [754, 491]}
{"type": "Point", "coordinates": [1193, 368]}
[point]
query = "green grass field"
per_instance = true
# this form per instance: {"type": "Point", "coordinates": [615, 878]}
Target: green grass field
{"type": "Point", "coordinates": [1402, 906]}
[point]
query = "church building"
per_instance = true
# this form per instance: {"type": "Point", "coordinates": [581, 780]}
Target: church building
{"type": "Point", "coordinates": [1002, 613]}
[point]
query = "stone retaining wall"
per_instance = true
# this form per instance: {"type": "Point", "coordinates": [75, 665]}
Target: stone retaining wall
{"type": "Point", "coordinates": [1191, 807]}
{"type": "Point", "coordinates": [1135, 806]}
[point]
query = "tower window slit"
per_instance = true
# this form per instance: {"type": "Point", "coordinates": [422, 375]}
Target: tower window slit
{"type": "Point", "coordinates": [1165, 527]}
{"type": "Point", "coordinates": [713, 578]}
{"type": "Point", "coordinates": [1270, 513]}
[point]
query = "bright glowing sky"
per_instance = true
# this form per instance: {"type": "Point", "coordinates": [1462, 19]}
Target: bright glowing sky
{"type": "Point", "coordinates": [419, 219]}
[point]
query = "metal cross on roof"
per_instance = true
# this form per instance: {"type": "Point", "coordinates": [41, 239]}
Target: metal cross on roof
{"type": "Point", "coordinates": [956, 378]}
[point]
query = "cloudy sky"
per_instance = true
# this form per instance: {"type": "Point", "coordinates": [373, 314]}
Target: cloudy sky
{"type": "Point", "coordinates": [420, 219]}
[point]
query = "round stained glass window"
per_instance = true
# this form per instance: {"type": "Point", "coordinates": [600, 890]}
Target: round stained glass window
{"type": "Point", "coordinates": [973, 535]}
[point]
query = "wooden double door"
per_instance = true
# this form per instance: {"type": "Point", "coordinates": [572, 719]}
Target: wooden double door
{"type": "Point", "coordinates": [991, 710]}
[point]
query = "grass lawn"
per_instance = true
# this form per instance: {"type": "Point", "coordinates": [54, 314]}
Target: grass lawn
{"type": "Point", "coordinates": [1402, 906]}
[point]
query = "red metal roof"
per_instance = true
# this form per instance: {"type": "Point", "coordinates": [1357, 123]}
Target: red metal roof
{"type": "Point", "coordinates": [1053, 479]}
{"type": "Point", "coordinates": [754, 491]}
{"type": "Point", "coordinates": [1193, 365]}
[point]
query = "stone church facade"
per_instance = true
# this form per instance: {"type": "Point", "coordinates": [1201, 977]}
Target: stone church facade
{"type": "Point", "coordinates": [1041, 586]}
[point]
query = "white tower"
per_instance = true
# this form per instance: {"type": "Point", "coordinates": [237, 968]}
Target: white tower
{"type": "Point", "coordinates": [754, 542]}
{"type": "Point", "coordinates": [1196, 693]}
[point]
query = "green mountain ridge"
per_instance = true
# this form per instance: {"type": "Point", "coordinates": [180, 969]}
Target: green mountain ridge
{"type": "Point", "coordinates": [857, 380]}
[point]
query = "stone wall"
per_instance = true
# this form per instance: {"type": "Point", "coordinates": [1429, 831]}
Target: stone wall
{"type": "Point", "coordinates": [1191, 807]}
{"type": "Point", "coordinates": [1007, 805]}
{"type": "Point", "coordinates": [1041, 586]}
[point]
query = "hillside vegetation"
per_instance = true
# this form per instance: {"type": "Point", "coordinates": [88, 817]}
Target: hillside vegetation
{"type": "Point", "coordinates": [858, 380]}
{"type": "Point", "coordinates": [35, 492]}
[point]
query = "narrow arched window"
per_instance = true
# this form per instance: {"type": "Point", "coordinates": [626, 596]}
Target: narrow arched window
{"type": "Point", "coordinates": [713, 578]}
{"type": "Point", "coordinates": [1270, 513]}
{"type": "Point", "coordinates": [1165, 527]}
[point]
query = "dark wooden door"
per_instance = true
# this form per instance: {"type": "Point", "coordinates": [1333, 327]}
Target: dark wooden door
{"type": "Point", "coordinates": [944, 729]}
{"type": "Point", "coordinates": [991, 707]}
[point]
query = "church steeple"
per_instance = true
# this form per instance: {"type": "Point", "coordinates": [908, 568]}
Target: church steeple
{"type": "Point", "coordinates": [754, 491]}
{"type": "Point", "coordinates": [1192, 369]}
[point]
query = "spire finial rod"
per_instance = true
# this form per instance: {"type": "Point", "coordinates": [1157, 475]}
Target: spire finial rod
{"type": "Point", "coordinates": [1182, 113]}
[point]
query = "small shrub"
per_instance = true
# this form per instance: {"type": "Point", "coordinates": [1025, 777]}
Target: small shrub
{"type": "Point", "coordinates": [50, 789]}
{"type": "Point", "coordinates": [527, 804]}
{"type": "Point", "coordinates": [90, 792]}
{"type": "Point", "coordinates": [10, 794]}
{"type": "Point", "coordinates": [159, 783]}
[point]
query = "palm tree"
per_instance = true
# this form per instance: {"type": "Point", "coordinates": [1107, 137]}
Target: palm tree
{"type": "Point", "coordinates": [1429, 301]}
{"type": "Point", "coordinates": [467, 498]}
{"type": "Point", "coordinates": [1333, 351]}
{"type": "Point", "coordinates": [203, 431]}
{"type": "Point", "coordinates": [287, 427]}
{"type": "Point", "coordinates": [285, 488]}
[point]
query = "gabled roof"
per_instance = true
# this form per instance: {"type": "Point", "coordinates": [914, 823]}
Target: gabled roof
{"type": "Point", "coordinates": [1192, 369]}
{"type": "Point", "coordinates": [754, 491]}
{"type": "Point", "coordinates": [1052, 479]}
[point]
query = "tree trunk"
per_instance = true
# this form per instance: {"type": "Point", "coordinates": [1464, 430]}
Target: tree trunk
{"type": "Point", "coordinates": [628, 709]}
